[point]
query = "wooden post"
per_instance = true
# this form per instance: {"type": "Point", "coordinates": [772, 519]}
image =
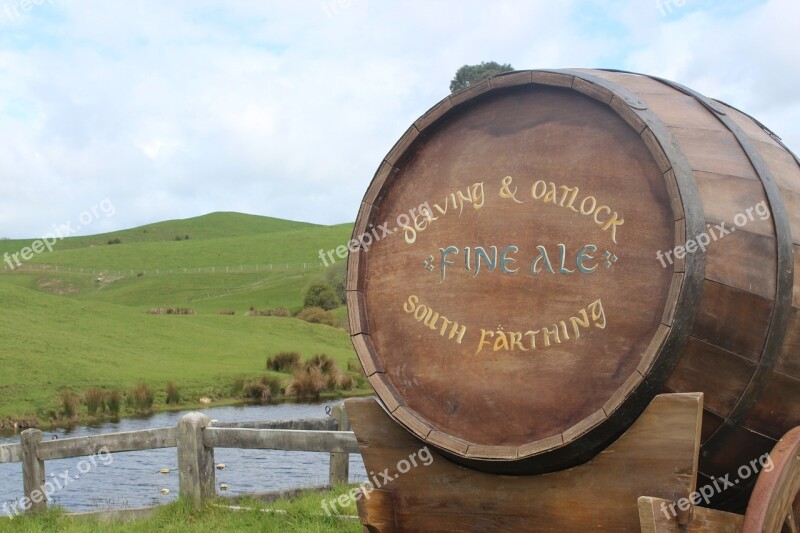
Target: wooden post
{"type": "Point", "coordinates": [340, 462]}
{"type": "Point", "coordinates": [197, 481]}
{"type": "Point", "coordinates": [32, 472]}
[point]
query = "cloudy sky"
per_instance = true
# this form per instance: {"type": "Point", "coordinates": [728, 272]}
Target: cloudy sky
{"type": "Point", "coordinates": [285, 108]}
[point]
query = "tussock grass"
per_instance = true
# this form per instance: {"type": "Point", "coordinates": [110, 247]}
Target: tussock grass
{"type": "Point", "coordinates": [173, 394]}
{"type": "Point", "coordinates": [142, 398]}
{"type": "Point", "coordinates": [95, 401]}
{"type": "Point", "coordinates": [284, 362]}
{"type": "Point", "coordinates": [69, 405]}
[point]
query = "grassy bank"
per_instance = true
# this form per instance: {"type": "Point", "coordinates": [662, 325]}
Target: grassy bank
{"type": "Point", "coordinates": [63, 343]}
{"type": "Point", "coordinates": [67, 331]}
{"type": "Point", "coordinates": [303, 513]}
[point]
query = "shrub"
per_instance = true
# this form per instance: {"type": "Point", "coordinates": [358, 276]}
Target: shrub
{"type": "Point", "coordinates": [278, 311]}
{"type": "Point", "coordinates": [142, 397]}
{"type": "Point", "coordinates": [339, 381]}
{"type": "Point", "coordinates": [95, 400]}
{"type": "Point", "coordinates": [114, 402]}
{"type": "Point", "coordinates": [180, 311]}
{"type": "Point", "coordinates": [173, 394]}
{"type": "Point", "coordinates": [69, 404]}
{"type": "Point", "coordinates": [284, 362]}
{"type": "Point", "coordinates": [307, 384]}
{"type": "Point", "coordinates": [257, 392]}
{"type": "Point", "coordinates": [170, 311]}
{"type": "Point", "coordinates": [272, 383]}
{"type": "Point", "coordinates": [320, 294]}
{"type": "Point", "coordinates": [317, 315]}
{"type": "Point", "coordinates": [115, 241]}
{"type": "Point", "coordinates": [362, 382]}
{"type": "Point", "coordinates": [228, 313]}
{"type": "Point", "coordinates": [263, 390]}
{"type": "Point", "coordinates": [324, 362]}
{"type": "Point", "coordinates": [354, 366]}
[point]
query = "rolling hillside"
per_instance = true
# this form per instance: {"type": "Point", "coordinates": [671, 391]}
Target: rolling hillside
{"type": "Point", "coordinates": [79, 330]}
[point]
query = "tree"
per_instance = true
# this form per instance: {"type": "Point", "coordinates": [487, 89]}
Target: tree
{"type": "Point", "coordinates": [471, 74]}
{"type": "Point", "coordinates": [336, 276]}
{"type": "Point", "coordinates": [320, 294]}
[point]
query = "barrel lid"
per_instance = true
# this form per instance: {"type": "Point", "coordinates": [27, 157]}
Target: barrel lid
{"type": "Point", "coordinates": [515, 298]}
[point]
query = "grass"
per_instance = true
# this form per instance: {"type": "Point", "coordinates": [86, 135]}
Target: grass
{"type": "Point", "coordinates": [277, 247]}
{"type": "Point", "coordinates": [52, 341]}
{"type": "Point", "coordinates": [303, 513]}
{"type": "Point", "coordinates": [80, 332]}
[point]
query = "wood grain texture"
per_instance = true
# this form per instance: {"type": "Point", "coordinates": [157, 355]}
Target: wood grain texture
{"type": "Point", "coordinates": [789, 363]}
{"type": "Point", "coordinates": [196, 474]}
{"type": "Point", "coordinates": [654, 520]}
{"type": "Point", "coordinates": [33, 473]}
{"type": "Point", "coordinates": [307, 424]}
{"type": "Point", "coordinates": [778, 408]}
{"type": "Point", "coordinates": [511, 79]}
{"type": "Point", "coordinates": [280, 439]}
{"type": "Point", "coordinates": [10, 453]}
{"type": "Point", "coordinates": [720, 374]}
{"type": "Point", "coordinates": [148, 439]}
{"type": "Point", "coordinates": [656, 456]}
{"type": "Point", "coordinates": [720, 321]}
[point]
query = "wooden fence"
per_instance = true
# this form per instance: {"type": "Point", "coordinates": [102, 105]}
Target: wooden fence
{"type": "Point", "coordinates": [195, 438]}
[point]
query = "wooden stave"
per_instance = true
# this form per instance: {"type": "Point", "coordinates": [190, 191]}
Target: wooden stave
{"type": "Point", "coordinates": [743, 434]}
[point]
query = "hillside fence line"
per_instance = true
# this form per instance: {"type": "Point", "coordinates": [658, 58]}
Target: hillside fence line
{"type": "Point", "coordinates": [275, 267]}
{"type": "Point", "coordinates": [195, 438]}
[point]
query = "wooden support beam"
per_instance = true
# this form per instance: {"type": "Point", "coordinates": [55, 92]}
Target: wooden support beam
{"type": "Point", "coordinates": [656, 456]}
{"type": "Point", "coordinates": [656, 517]}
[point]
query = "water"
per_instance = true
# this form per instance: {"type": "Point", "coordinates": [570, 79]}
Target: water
{"type": "Point", "coordinates": [132, 479]}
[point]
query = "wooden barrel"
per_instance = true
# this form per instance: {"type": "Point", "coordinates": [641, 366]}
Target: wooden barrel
{"type": "Point", "coordinates": [543, 253]}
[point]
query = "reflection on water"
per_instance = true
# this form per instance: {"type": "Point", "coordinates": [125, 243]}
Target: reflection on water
{"type": "Point", "coordinates": [132, 479]}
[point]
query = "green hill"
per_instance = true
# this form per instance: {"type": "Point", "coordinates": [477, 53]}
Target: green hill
{"type": "Point", "coordinates": [67, 328]}
{"type": "Point", "coordinates": [211, 226]}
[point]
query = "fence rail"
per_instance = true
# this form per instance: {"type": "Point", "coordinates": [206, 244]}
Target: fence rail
{"type": "Point", "coordinates": [131, 441]}
{"type": "Point", "coordinates": [280, 439]}
{"type": "Point", "coordinates": [195, 438]}
{"type": "Point", "coordinates": [11, 453]}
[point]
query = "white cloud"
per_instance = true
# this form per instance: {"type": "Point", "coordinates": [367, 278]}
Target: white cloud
{"type": "Point", "coordinates": [175, 109]}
